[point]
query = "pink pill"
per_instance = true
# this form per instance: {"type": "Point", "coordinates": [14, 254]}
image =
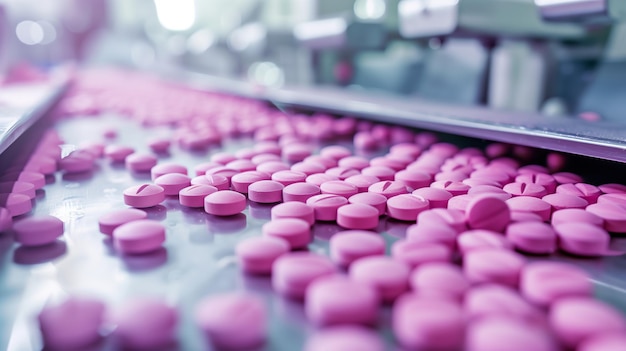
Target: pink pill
{"type": "Point", "coordinates": [319, 178]}
{"type": "Point", "coordinates": [325, 206]}
{"type": "Point", "coordinates": [217, 181]}
{"type": "Point", "coordinates": [223, 157]}
{"type": "Point", "coordinates": [438, 216]}
{"type": "Point", "coordinates": [324, 160]}
{"type": "Point", "coordinates": [342, 338]}
{"type": "Point", "coordinates": [413, 179]}
{"type": "Point", "coordinates": [583, 239]}
{"type": "Point", "coordinates": [378, 201]}
{"type": "Point", "coordinates": [544, 283]}
{"type": "Point", "coordinates": [335, 152]}
{"type": "Point", "coordinates": [241, 182]}
{"type": "Point", "coordinates": [202, 168]}
{"type": "Point", "coordinates": [482, 239]}
{"type": "Point", "coordinates": [525, 189]}
{"type": "Point", "coordinates": [335, 299]}
{"type": "Point", "coordinates": [145, 323]}
{"type": "Point", "coordinates": [117, 153]}
{"type": "Point", "coordinates": [140, 162]}
{"type": "Point", "coordinates": [356, 162]}
{"type": "Point", "coordinates": [233, 321]}
{"type": "Point", "coordinates": [494, 191]}
{"type": "Point", "coordinates": [409, 149]}
{"type": "Point", "coordinates": [604, 342]}
{"type": "Point", "coordinates": [173, 183]}
{"type": "Point", "coordinates": [339, 187]}
{"type": "Point", "coordinates": [454, 188]}
{"type": "Point", "coordinates": [342, 173]}
{"type": "Point", "coordinates": [224, 203]}
{"type": "Point", "coordinates": [108, 222]}
{"type": "Point", "coordinates": [362, 182]}
{"type": "Point", "coordinates": [72, 324]}
{"type": "Point", "coordinates": [567, 177]}
{"type": "Point", "coordinates": [388, 188]}
{"type": "Point", "coordinates": [438, 198]}
{"type": "Point", "coordinates": [300, 192]}
{"type": "Point", "coordinates": [615, 199]}
{"type": "Point", "coordinates": [474, 182]}
{"type": "Point", "coordinates": [394, 162]}
{"type": "Point", "coordinates": [166, 168]}
{"type": "Point", "coordinates": [502, 333]}
{"type": "Point", "coordinates": [545, 180]}
{"type": "Point", "coordinates": [493, 266]}
{"type": "Point", "coordinates": [357, 216]}
{"type": "Point", "coordinates": [76, 164]}
{"type": "Point", "coordinates": [268, 147]}
{"type": "Point", "coordinates": [494, 174]}
{"type": "Point", "coordinates": [530, 204]}
{"type": "Point", "coordinates": [294, 209]}
{"type": "Point", "coordinates": [5, 220]}
{"type": "Point", "coordinates": [288, 177]}
{"type": "Point", "coordinates": [586, 191]}
{"type": "Point", "coordinates": [406, 207]}
{"type": "Point", "coordinates": [613, 188]}
{"type": "Point", "coordinates": [222, 171]}
{"type": "Point", "coordinates": [416, 253]}
{"type": "Point", "coordinates": [193, 196]}
{"type": "Point", "coordinates": [145, 195]}
{"type": "Point", "coordinates": [241, 165]}
{"type": "Point", "coordinates": [293, 272]}
{"type": "Point", "coordinates": [494, 300]}
{"type": "Point", "coordinates": [37, 231]}
{"type": "Point", "coordinates": [439, 279]}
{"type": "Point", "coordinates": [16, 204]}
{"type": "Point", "coordinates": [159, 145]}
{"type": "Point", "coordinates": [381, 172]}
{"type": "Point", "coordinates": [388, 276]}
{"type": "Point", "coordinates": [42, 164]}
{"type": "Point", "coordinates": [561, 201]}
{"type": "Point", "coordinates": [308, 168]}
{"type": "Point", "coordinates": [294, 231]}
{"type": "Point", "coordinates": [576, 319]}
{"type": "Point", "coordinates": [613, 215]}
{"type": "Point", "coordinates": [576, 215]}
{"type": "Point", "coordinates": [428, 324]}
{"type": "Point", "coordinates": [18, 187]}
{"type": "Point", "coordinates": [257, 255]}
{"type": "Point", "coordinates": [296, 152]}
{"type": "Point", "coordinates": [532, 237]}
{"type": "Point", "coordinates": [266, 191]}
{"type": "Point", "coordinates": [138, 237]}
{"type": "Point", "coordinates": [37, 179]}
{"type": "Point", "coordinates": [432, 233]}
{"type": "Point", "coordinates": [487, 212]}
{"type": "Point", "coordinates": [350, 245]}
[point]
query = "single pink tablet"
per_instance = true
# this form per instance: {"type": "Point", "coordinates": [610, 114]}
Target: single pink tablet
{"type": "Point", "coordinates": [222, 171]}
{"type": "Point", "coordinates": [406, 148]}
{"type": "Point", "coordinates": [493, 266]}
{"type": "Point", "coordinates": [357, 216]}
{"type": "Point", "coordinates": [159, 145]}
{"type": "Point", "coordinates": [144, 195]}
{"type": "Point", "coordinates": [495, 300]}
{"type": "Point", "coordinates": [309, 168]}
{"type": "Point", "coordinates": [173, 183]}
{"type": "Point", "coordinates": [18, 187]}
{"type": "Point", "coordinates": [586, 191]}
{"type": "Point", "coordinates": [561, 201]}
{"type": "Point", "coordinates": [567, 177]}
{"type": "Point", "coordinates": [293, 272]}
{"type": "Point", "coordinates": [242, 165]}
{"type": "Point", "coordinates": [325, 206]}
{"type": "Point", "coordinates": [336, 299]}
{"type": "Point", "coordinates": [532, 237]}
{"type": "Point", "coordinates": [75, 163]}
{"type": "Point", "coordinates": [415, 253]}
{"type": "Point", "coordinates": [388, 276]}
{"type": "Point", "coordinates": [108, 222]}
{"type": "Point", "coordinates": [16, 204]}
{"type": "Point", "coordinates": [362, 182]}
{"type": "Point", "coordinates": [503, 333]}
{"type": "Point", "coordinates": [342, 173]}
{"type": "Point", "coordinates": [421, 323]}
{"type": "Point", "coordinates": [294, 231]}
{"type": "Point", "coordinates": [350, 245]}
{"type": "Point", "coordinates": [266, 191]}
{"type": "Point", "coordinates": [288, 177]}
{"type": "Point", "coordinates": [218, 181]}
{"type": "Point", "coordinates": [406, 207]}
{"type": "Point", "coordinates": [576, 319]}
{"type": "Point", "coordinates": [296, 152]}
{"type": "Point", "coordinates": [492, 173]}
{"type": "Point", "coordinates": [525, 189]}
{"type": "Point", "coordinates": [583, 239]}
{"type": "Point", "coordinates": [388, 188]}
{"type": "Point", "coordinates": [256, 255]}
{"type": "Point", "coordinates": [413, 179]}
{"type": "Point", "coordinates": [165, 168]}
{"type": "Point", "coordinates": [454, 188]}
{"type": "Point", "coordinates": [264, 157]}
{"type": "Point", "coordinates": [241, 182]}
{"type": "Point", "coordinates": [138, 237]}
{"type": "Point", "coordinates": [395, 162]}
{"type": "Point", "coordinates": [326, 161]}
{"type": "Point", "coordinates": [481, 239]}
{"type": "Point", "coordinates": [439, 279]}
{"type": "Point", "coordinates": [37, 231]}
{"type": "Point", "coordinates": [432, 233]}
{"type": "Point", "coordinates": [193, 196]}
{"type": "Point", "coordinates": [545, 180]}
{"type": "Point", "coordinates": [438, 216]}
{"type": "Point", "coordinates": [233, 321]}
{"type": "Point", "coordinates": [356, 162]}
{"type": "Point", "coordinates": [604, 342]}
{"type": "Point", "coordinates": [202, 168]}
{"type": "Point", "coordinates": [576, 215]}
{"type": "Point", "coordinates": [339, 187]}
{"type": "Point", "coordinates": [294, 209]}
{"type": "Point", "coordinates": [544, 283]}
{"type": "Point", "coordinates": [335, 152]}
{"type": "Point", "coordinates": [613, 188]}
{"type": "Point", "coordinates": [346, 337]}
{"type": "Point", "coordinates": [6, 222]}
{"type": "Point", "coordinates": [300, 192]}
{"type": "Point", "coordinates": [268, 147]}
{"type": "Point", "coordinates": [73, 324]}
{"type": "Point", "coordinates": [117, 153]}
{"type": "Point", "coordinates": [145, 323]}
{"type": "Point", "coordinates": [140, 162]}
{"type": "Point", "coordinates": [319, 178]}
{"type": "Point", "coordinates": [487, 212]}
{"type": "Point", "coordinates": [615, 199]}
{"type": "Point", "coordinates": [530, 204]}
{"type": "Point", "coordinates": [438, 198]}
{"type": "Point", "coordinates": [223, 157]}
{"type": "Point", "coordinates": [613, 215]}
{"type": "Point", "coordinates": [224, 203]}
{"type": "Point", "coordinates": [378, 201]}
{"type": "Point", "coordinates": [35, 178]}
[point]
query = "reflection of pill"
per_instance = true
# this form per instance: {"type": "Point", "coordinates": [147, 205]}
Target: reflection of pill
{"type": "Point", "coordinates": [36, 231]}
{"type": "Point", "coordinates": [193, 196]}
{"type": "Point", "coordinates": [165, 168]}
{"type": "Point", "coordinates": [17, 204]}
{"type": "Point", "coordinates": [406, 207]}
{"type": "Point", "coordinates": [532, 237]}
{"type": "Point", "coordinates": [145, 195]}
{"type": "Point", "coordinates": [224, 203]}
{"type": "Point", "coordinates": [108, 222]}
{"type": "Point", "coordinates": [140, 162]}
{"type": "Point", "coordinates": [257, 255]}
{"type": "Point", "coordinates": [138, 237]}
{"type": "Point", "coordinates": [498, 333]}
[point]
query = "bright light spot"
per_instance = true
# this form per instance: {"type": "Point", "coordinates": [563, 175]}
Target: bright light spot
{"type": "Point", "coordinates": [176, 15]}
{"type": "Point", "coordinates": [369, 9]}
{"type": "Point", "coordinates": [49, 32]}
{"type": "Point", "coordinates": [29, 32]}
{"type": "Point", "coordinates": [246, 36]}
{"type": "Point", "coordinates": [266, 73]}
{"type": "Point", "coordinates": [200, 41]}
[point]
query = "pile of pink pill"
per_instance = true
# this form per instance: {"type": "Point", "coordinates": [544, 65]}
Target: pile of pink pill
{"type": "Point", "coordinates": [458, 280]}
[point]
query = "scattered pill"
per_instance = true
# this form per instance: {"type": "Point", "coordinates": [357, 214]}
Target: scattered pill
{"type": "Point", "coordinates": [325, 206]}
{"type": "Point", "coordinates": [108, 222]}
{"type": "Point", "coordinates": [140, 162]}
{"type": "Point", "coordinates": [17, 204]}
{"type": "Point", "coordinates": [613, 215]}
{"type": "Point", "coordinates": [439, 279]}
{"type": "Point", "coordinates": [503, 333]}
{"type": "Point", "coordinates": [193, 196]}
{"type": "Point", "coordinates": [165, 168]}
{"type": "Point", "coordinates": [293, 272]}
{"type": "Point", "coordinates": [530, 204]}
{"type": "Point", "coordinates": [406, 207]}
{"type": "Point", "coordinates": [224, 203]}
{"type": "Point", "coordinates": [544, 283]}
{"type": "Point", "coordinates": [39, 230]}
{"type": "Point", "coordinates": [482, 239]}
{"type": "Point", "coordinates": [72, 324]}
{"type": "Point", "coordinates": [357, 216]}
{"type": "Point", "coordinates": [348, 246]}
{"type": "Point", "coordinates": [300, 192]}
{"type": "Point", "coordinates": [493, 266]}
{"type": "Point", "coordinates": [378, 201]}
{"type": "Point", "coordinates": [346, 337]}
{"type": "Point", "coordinates": [143, 196]}
{"type": "Point", "coordinates": [583, 239]}
{"type": "Point", "coordinates": [172, 183]}
{"type": "Point", "coordinates": [257, 255]}
{"type": "Point", "coordinates": [138, 237]}
{"type": "Point", "coordinates": [487, 212]}
{"type": "Point", "coordinates": [532, 237]}
{"type": "Point", "coordinates": [388, 276]}
{"type": "Point", "coordinates": [145, 323]}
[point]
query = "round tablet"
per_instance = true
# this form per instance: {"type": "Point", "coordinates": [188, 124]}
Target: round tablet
{"type": "Point", "coordinates": [325, 206]}
{"type": "Point", "coordinates": [532, 237]}
{"type": "Point", "coordinates": [242, 181]}
{"type": "Point", "coordinates": [319, 178]}
{"type": "Point", "coordinates": [439, 279]}
{"type": "Point", "coordinates": [388, 276]}
{"type": "Point", "coordinates": [583, 239]}
{"type": "Point", "coordinates": [216, 180]}
{"type": "Point", "coordinates": [426, 232]}
{"type": "Point", "coordinates": [357, 216]}
{"type": "Point", "coordinates": [530, 204]}
{"type": "Point", "coordinates": [493, 266]}
{"type": "Point", "coordinates": [380, 172]}
{"type": "Point", "coordinates": [222, 171]}
{"type": "Point", "coordinates": [16, 204]}
{"type": "Point", "coordinates": [257, 255]}
{"type": "Point", "coordinates": [604, 342]}
{"type": "Point", "coordinates": [345, 337]}
{"type": "Point", "coordinates": [76, 163]}
{"type": "Point", "coordinates": [415, 253]}
{"type": "Point", "coordinates": [428, 324]}
{"type": "Point", "coordinates": [140, 162]}
{"type": "Point", "coordinates": [350, 245]}
{"type": "Point", "coordinates": [517, 216]}
{"type": "Point", "coordinates": [300, 191]}
{"type": "Point", "coordinates": [356, 162]}
{"type": "Point", "coordinates": [406, 207]}
{"type": "Point", "coordinates": [138, 237]}
{"type": "Point", "coordinates": [294, 231]}
{"type": "Point", "coordinates": [339, 187]}
{"type": "Point", "coordinates": [438, 198]}
{"type": "Point", "coordinates": [544, 283]}
{"type": "Point", "coordinates": [71, 325]}
{"type": "Point", "coordinates": [224, 203]}
{"type": "Point", "coordinates": [108, 222]}
{"type": "Point", "coordinates": [159, 145]}
{"type": "Point", "coordinates": [388, 188]}
{"type": "Point", "coordinates": [492, 173]}
{"type": "Point", "coordinates": [336, 299]}
{"type": "Point", "coordinates": [567, 177]}
{"type": "Point", "coordinates": [576, 215]}
{"type": "Point", "coordinates": [413, 179]}
{"type": "Point", "coordinates": [481, 239]}
{"type": "Point", "coordinates": [453, 218]}
{"type": "Point", "coordinates": [324, 160]}
{"type": "Point", "coordinates": [173, 183]}
{"type": "Point", "coordinates": [288, 177]}
{"type": "Point", "coordinates": [193, 196]}
{"type": "Point", "coordinates": [575, 319]}
{"type": "Point", "coordinates": [144, 195]}
{"type": "Point", "coordinates": [37, 231]}
{"type": "Point", "coordinates": [165, 168]}
{"type": "Point", "coordinates": [294, 209]}
{"type": "Point", "coordinates": [378, 201]}
{"type": "Point", "coordinates": [18, 187]}
{"type": "Point", "coordinates": [145, 323]}
{"type": "Point", "coordinates": [525, 189]}
{"type": "Point", "coordinates": [293, 272]}
{"type": "Point", "coordinates": [117, 153]}
{"type": "Point", "coordinates": [202, 168]}
{"type": "Point", "coordinates": [495, 300]}
{"type": "Point", "coordinates": [266, 191]}
{"type": "Point", "coordinates": [503, 333]}
{"type": "Point", "coordinates": [362, 182]}
{"type": "Point", "coordinates": [545, 180]}
{"type": "Point", "coordinates": [588, 192]}
{"type": "Point", "coordinates": [487, 212]}
{"type": "Point", "coordinates": [613, 215]}
{"type": "Point", "coordinates": [233, 320]}
{"type": "Point", "coordinates": [271, 167]}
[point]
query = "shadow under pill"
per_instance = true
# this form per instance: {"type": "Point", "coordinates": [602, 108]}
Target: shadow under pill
{"type": "Point", "coordinates": [156, 213]}
{"type": "Point", "coordinates": [259, 210]}
{"type": "Point", "coordinates": [145, 262]}
{"type": "Point", "coordinates": [141, 175]}
{"type": "Point", "coordinates": [257, 282]}
{"type": "Point", "coordinates": [288, 308]}
{"type": "Point", "coordinates": [193, 215]}
{"type": "Point", "coordinates": [76, 177]}
{"type": "Point", "coordinates": [40, 194]}
{"type": "Point", "coordinates": [50, 179]}
{"type": "Point", "coordinates": [42, 254]}
{"type": "Point", "coordinates": [227, 224]}
{"type": "Point", "coordinates": [325, 231]}
{"type": "Point", "coordinates": [397, 228]}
